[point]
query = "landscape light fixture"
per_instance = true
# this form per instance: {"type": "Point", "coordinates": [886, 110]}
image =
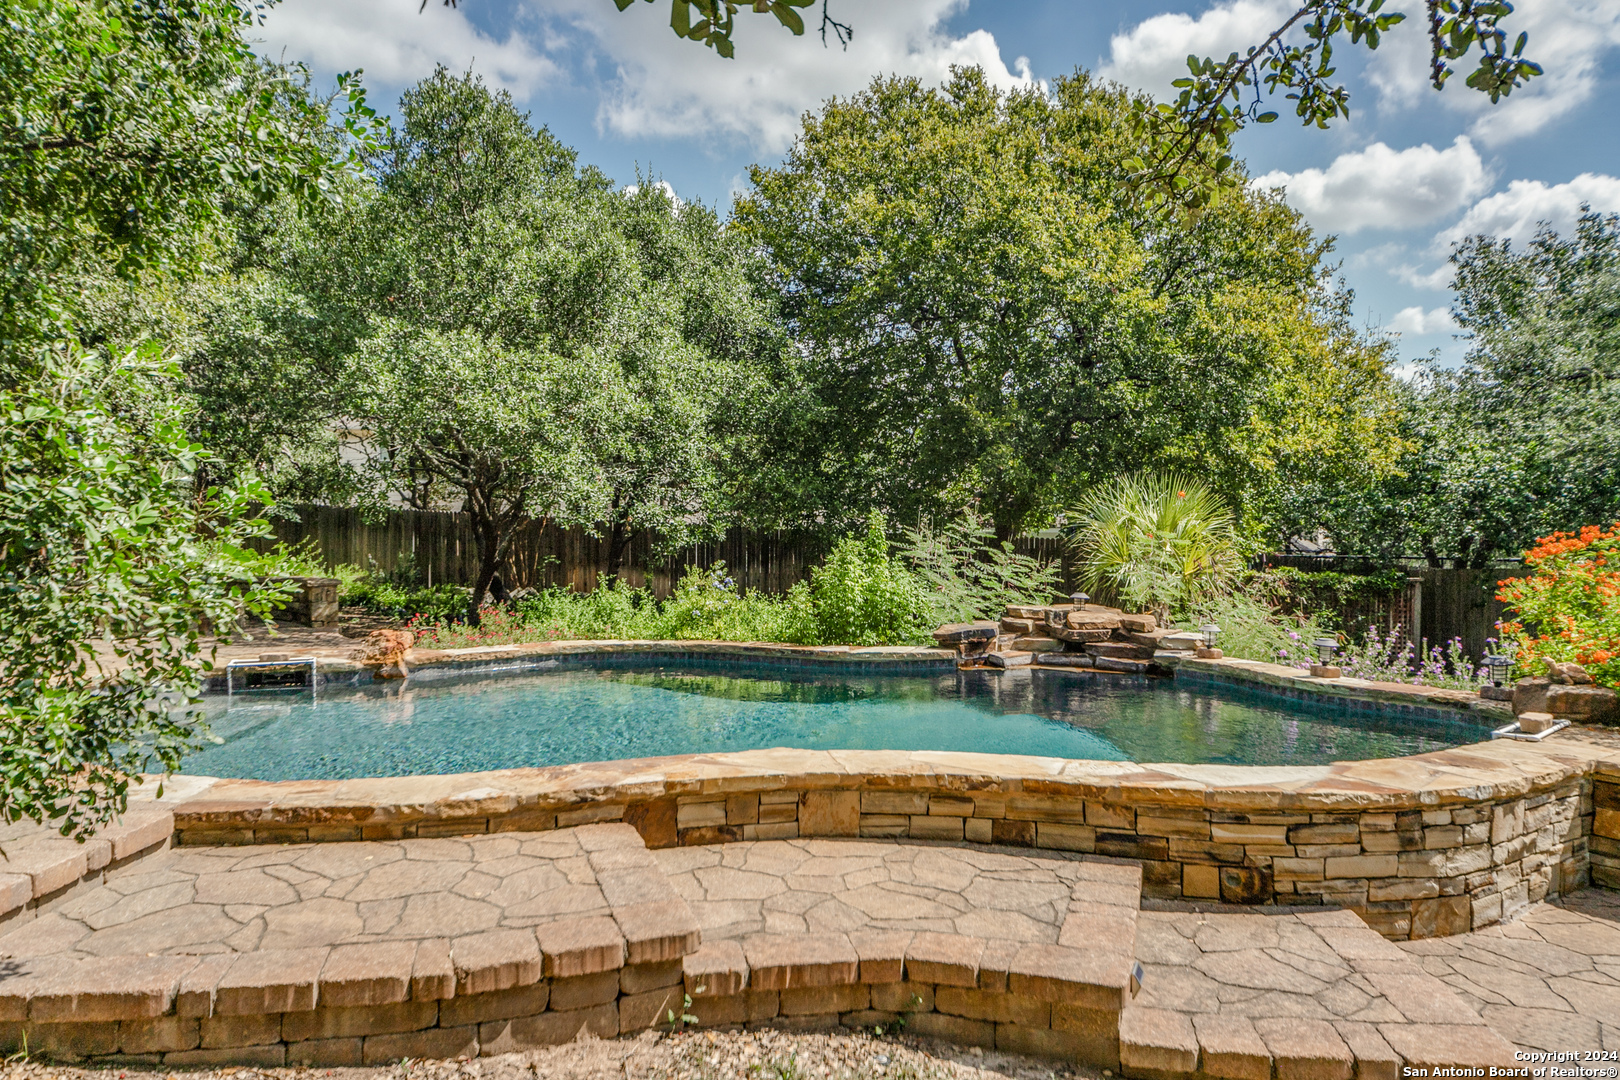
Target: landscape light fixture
{"type": "Point", "coordinates": [1325, 648]}
{"type": "Point", "coordinates": [1211, 633]}
{"type": "Point", "coordinates": [1079, 599]}
{"type": "Point", "coordinates": [1500, 666]}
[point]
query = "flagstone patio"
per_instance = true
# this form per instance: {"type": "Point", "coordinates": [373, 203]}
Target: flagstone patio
{"type": "Point", "coordinates": [348, 953]}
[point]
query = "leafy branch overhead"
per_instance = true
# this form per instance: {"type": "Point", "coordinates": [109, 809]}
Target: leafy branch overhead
{"type": "Point", "coordinates": [1190, 138]}
{"type": "Point", "coordinates": [1188, 158]}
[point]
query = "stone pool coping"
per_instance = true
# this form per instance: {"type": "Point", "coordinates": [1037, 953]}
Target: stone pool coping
{"type": "Point", "coordinates": [430, 664]}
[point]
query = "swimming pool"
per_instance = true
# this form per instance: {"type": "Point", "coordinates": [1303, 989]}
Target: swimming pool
{"type": "Point", "coordinates": [574, 713]}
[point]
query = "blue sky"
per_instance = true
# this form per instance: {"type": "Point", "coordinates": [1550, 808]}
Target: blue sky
{"type": "Point", "coordinates": [1410, 172]}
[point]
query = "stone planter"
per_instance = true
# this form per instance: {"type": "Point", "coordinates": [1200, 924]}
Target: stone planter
{"type": "Point", "coordinates": [314, 601]}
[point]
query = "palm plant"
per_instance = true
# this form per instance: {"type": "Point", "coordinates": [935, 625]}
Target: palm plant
{"type": "Point", "coordinates": [1158, 541]}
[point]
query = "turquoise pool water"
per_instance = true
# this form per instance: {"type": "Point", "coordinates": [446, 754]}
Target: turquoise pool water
{"type": "Point", "coordinates": [556, 717]}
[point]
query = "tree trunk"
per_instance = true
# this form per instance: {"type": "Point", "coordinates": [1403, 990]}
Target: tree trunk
{"type": "Point", "coordinates": [618, 542]}
{"type": "Point", "coordinates": [490, 548]}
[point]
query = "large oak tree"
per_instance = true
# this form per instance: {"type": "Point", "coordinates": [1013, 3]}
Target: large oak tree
{"type": "Point", "coordinates": [989, 315]}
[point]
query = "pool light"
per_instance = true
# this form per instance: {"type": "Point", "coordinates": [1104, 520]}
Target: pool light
{"type": "Point", "coordinates": [1325, 648]}
{"type": "Point", "coordinates": [1211, 634]}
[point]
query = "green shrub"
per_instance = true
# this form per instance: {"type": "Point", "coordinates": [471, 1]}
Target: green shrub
{"type": "Point", "coordinates": [398, 594]}
{"type": "Point", "coordinates": [615, 610]}
{"type": "Point", "coordinates": [706, 605]}
{"type": "Point", "coordinates": [864, 596]}
{"type": "Point", "coordinates": [968, 576]}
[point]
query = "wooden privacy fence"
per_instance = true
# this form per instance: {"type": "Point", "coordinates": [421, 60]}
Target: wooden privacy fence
{"type": "Point", "coordinates": [443, 548]}
{"type": "Point", "coordinates": [1440, 603]}
{"type": "Point", "coordinates": [1461, 604]}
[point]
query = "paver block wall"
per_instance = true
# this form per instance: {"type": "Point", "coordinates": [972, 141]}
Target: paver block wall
{"type": "Point", "coordinates": [1410, 873]}
{"type": "Point", "coordinates": [1605, 839]}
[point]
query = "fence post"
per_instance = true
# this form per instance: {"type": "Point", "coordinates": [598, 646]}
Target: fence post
{"type": "Point", "coordinates": [1414, 587]}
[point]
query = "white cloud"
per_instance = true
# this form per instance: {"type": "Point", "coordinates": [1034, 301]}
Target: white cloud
{"type": "Point", "coordinates": [397, 45]}
{"type": "Point", "coordinates": [670, 88]}
{"type": "Point", "coordinates": [1380, 188]}
{"type": "Point", "coordinates": [1519, 211]}
{"type": "Point", "coordinates": [1414, 320]}
{"type": "Point", "coordinates": [1153, 53]}
{"type": "Point", "coordinates": [1438, 279]}
{"type": "Point", "coordinates": [1569, 37]}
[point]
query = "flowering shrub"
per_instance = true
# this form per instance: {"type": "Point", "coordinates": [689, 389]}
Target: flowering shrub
{"type": "Point", "coordinates": [1569, 609]}
{"type": "Point", "coordinates": [1393, 657]}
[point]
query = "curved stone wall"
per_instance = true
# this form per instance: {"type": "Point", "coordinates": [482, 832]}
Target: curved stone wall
{"type": "Point", "coordinates": [1432, 844]}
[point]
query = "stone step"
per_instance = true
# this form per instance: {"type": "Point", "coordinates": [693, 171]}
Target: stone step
{"type": "Point", "coordinates": [1243, 997]}
{"type": "Point", "coordinates": [494, 943]}
{"type": "Point", "coordinates": [1058, 998]}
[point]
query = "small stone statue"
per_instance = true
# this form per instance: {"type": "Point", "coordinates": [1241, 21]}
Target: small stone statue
{"type": "Point", "coordinates": [1568, 674]}
{"type": "Point", "coordinates": [385, 651]}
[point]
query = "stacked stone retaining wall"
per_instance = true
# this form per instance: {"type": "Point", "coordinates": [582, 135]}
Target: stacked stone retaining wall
{"type": "Point", "coordinates": [1412, 866]}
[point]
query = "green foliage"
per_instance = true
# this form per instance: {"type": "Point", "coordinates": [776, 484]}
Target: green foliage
{"type": "Point", "coordinates": [1256, 625]}
{"type": "Point", "coordinates": [865, 596]}
{"type": "Point", "coordinates": [1520, 441]}
{"type": "Point", "coordinates": [538, 345]}
{"type": "Point", "coordinates": [1323, 586]}
{"type": "Point", "coordinates": [427, 603]}
{"type": "Point", "coordinates": [614, 611]}
{"type": "Point", "coordinates": [704, 606]}
{"type": "Point", "coordinates": [861, 595]}
{"type": "Point", "coordinates": [1188, 160]}
{"type": "Point", "coordinates": [126, 130]}
{"type": "Point", "coordinates": [107, 579]}
{"type": "Point", "coordinates": [989, 317]}
{"type": "Point", "coordinates": [707, 605]}
{"type": "Point", "coordinates": [1157, 541]}
{"type": "Point", "coordinates": [715, 20]}
{"type": "Point", "coordinates": [1187, 163]}
{"type": "Point", "coordinates": [299, 560]}
{"type": "Point", "coordinates": [968, 575]}
{"type": "Point", "coordinates": [400, 593]}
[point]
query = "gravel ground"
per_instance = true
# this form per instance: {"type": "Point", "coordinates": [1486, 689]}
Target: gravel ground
{"type": "Point", "coordinates": [696, 1055]}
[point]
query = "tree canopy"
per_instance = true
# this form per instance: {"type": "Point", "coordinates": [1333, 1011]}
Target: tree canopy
{"type": "Point", "coordinates": [536, 343]}
{"type": "Point", "coordinates": [125, 129]}
{"type": "Point", "coordinates": [1522, 439]}
{"type": "Point", "coordinates": [989, 316]}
